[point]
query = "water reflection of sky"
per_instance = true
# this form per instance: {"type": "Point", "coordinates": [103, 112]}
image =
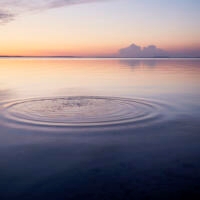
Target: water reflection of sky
{"type": "Point", "coordinates": [29, 78]}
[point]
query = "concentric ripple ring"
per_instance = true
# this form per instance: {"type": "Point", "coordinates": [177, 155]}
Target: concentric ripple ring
{"type": "Point", "coordinates": [80, 111]}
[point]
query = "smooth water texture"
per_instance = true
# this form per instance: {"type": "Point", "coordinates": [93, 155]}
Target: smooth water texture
{"type": "Point", "coordinates": [99, 128]}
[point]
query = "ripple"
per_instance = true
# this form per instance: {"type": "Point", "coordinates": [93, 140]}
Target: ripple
{"type": "Point", "coordinates": [82, 111]}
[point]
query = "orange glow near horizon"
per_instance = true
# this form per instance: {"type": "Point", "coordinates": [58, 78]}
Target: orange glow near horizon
{"type": "Point", "coordinates": [76, 51]}
{"type": "Point", "coordinates": [57, 50]}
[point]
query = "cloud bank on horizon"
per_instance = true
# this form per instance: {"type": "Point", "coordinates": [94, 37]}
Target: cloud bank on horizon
{"type": "Point", "coordinates": [151, 51]}
{"type": "Point", "coordinates": [134, 51]}
{"type": "Point", "coordinates": [10, 9]}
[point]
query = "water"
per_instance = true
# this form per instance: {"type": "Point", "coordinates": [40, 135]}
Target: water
{"type": "Point", "coordinates": [99, 128]}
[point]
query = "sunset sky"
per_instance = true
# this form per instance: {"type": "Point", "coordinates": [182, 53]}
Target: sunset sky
{"type": "Point", "coordinates": [98, 27]}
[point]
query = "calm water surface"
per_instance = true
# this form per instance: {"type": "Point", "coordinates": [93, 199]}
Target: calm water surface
{"type": "Point", "coordinates": [99, 129]}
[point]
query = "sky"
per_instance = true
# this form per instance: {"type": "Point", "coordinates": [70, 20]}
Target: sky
{"type": "Point", "coordinates": [99, 27]}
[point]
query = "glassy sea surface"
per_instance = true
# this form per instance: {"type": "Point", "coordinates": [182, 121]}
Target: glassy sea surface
{"type": "Point", "coordinates": [99, 128]}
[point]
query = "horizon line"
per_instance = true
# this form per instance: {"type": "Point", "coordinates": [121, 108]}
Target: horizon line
{"type": "Point", "coordinates": [156, 57]}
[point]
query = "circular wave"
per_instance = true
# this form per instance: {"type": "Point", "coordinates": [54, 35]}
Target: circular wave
{"type": "Point", "coordinates": [82, 111]}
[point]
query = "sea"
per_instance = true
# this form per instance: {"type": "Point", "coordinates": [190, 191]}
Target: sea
{"type": "Point", "coordinates": [99, 128]}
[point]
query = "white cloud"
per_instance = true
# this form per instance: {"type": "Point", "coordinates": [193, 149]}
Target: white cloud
{"type": "Point", "coordinates": [9, 9]}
